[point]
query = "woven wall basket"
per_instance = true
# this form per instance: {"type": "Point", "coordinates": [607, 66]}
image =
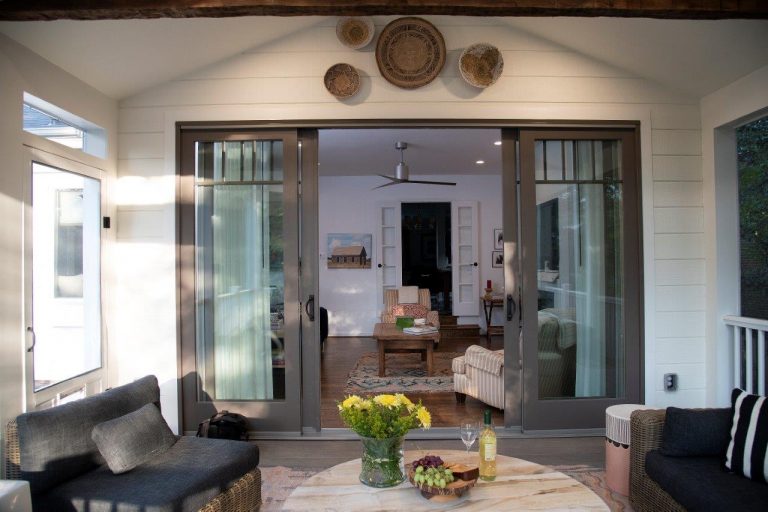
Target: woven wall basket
{"type": "Point", "coordinates": [481, 65]}
{"type": "Point", "coordinates": [342, 80]}
{"type": "Point", "coordinates": [355, 32]}
{"type": "Point", "coordinates": [410, 52]}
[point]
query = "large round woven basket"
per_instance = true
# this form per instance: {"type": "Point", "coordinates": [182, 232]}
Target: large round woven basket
{"type": "Point", "coordinates": [355, 32]}
{"type": "Point", "coordinates": [410, 52]}
{"type": "Point", "coordinates": [342, 80]}
{"type": "Point", "coordinates": [481, 65]}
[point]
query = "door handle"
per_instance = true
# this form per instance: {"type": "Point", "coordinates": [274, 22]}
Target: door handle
{"type": "Point", "coordinates": [34, 339]}
{"type": "Point", "coordinates": [511, 307]}
{"type": "Point", "coordinates": [310, 308]}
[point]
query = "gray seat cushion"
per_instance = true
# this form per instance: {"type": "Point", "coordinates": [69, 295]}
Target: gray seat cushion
{"type": "Point", "coordinates": [56, 444]}
{"type": "Point", "coordinates": [183, 478]}
{"type": "Point", "coordinates": [701, 484]}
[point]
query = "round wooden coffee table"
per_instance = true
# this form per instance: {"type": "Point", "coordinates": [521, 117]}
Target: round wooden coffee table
{"type": "Point", "coordinates": [520, 485]}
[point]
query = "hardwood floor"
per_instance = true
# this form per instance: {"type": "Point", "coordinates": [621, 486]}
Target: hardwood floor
{"type": "Point", "coordinates": [341, 354]}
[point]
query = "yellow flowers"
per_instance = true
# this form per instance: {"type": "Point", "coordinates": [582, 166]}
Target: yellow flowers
{"type": "Point", "coordinates": [424, 417]}
{"type": "Point", "coordinates": [387, 400]}
{"type": "Point", "coordinates": [383, 416]}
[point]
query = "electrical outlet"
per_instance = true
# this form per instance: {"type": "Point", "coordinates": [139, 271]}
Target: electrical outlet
{"type": "Point", "coordinates": [670, 382]}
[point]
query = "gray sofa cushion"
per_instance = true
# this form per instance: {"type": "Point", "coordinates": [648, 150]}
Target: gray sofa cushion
{"type": "Point", "coordinates": [56, 443]}
{"type": "Point", "coordinates": [181, 479]}
{"type": "Point", "coordinates": [701, 484]}
{"type": "Point", "coordinates": [129, 440]}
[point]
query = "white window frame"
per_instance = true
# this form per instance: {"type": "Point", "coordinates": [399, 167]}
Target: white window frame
{"type": "Point", "coordinates": [93, 381]}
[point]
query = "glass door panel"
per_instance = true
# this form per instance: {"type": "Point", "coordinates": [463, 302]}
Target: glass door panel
{"type": "Point", "coordinates": [242, 224]}
{"type": "Point", "coordinates": [66, 273]}
{"type": "Point", "coordinates": [580, 277]}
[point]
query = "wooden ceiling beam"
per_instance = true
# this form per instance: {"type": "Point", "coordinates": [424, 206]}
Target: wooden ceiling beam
{"type": "Point", "coordinates": [29, 10]}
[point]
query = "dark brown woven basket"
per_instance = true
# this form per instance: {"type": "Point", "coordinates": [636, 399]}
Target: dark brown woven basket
{"type": "Point", "coordinates": [342, 80]}
{"type": "Point", "coordinates": [410, 52]}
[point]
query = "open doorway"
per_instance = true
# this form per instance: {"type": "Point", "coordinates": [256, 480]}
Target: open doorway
{"type": "Point", "coordinates": [426, 251]}
{"type": "Point", "coordinates": [438, 237]}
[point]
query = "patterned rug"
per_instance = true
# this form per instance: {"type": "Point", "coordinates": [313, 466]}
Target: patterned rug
{"type": "Point", "coordinates": [278, 482]}
{"type": "Point", "coordinates": [404, 373]}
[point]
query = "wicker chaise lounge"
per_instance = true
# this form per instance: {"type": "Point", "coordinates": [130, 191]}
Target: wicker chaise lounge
{"type": "Point", "coordinates": [68, 473]}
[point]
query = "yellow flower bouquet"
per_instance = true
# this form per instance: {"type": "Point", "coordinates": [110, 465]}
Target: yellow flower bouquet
{"type": "Point", "coordinates": [381, 422]}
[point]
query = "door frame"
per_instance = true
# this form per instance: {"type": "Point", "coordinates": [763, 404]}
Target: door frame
{"type": "Point", "coordinates": [587, 412]}
{"type": "Point", "coordinates": [93, 381]}
{"type": "Point", "coordinates": [275, 415]}
{"type": "Point", "coordinates": [636, 119]}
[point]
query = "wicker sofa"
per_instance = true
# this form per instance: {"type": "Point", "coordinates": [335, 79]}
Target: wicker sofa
{"type": "Point", "coordinates": [54, 451]}
{"type": "Point", "coordinates": [662, 481]}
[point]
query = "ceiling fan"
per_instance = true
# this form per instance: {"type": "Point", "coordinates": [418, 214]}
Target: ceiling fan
{"type": "Point", "coordinates": [402, 172]}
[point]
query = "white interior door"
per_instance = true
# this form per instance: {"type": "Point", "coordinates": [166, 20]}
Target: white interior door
{"type": "Point", "coordinates": [390, 257]}
{"type": "Point", "coordinates": [465, 235]}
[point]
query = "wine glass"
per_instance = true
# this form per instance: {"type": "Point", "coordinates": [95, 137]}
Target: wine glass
{"type": "Point", "coordinates": [469, 431]}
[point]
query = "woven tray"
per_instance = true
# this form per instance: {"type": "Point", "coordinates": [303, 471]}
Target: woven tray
{"type": "Point", "coordinates": [481, 65]}
{"type": "Point", "coordinates": [410, 52]}
{"type": "Point", "coordinates": [355, 32]}
{"type": "Point", "coordinates": [342, 80]}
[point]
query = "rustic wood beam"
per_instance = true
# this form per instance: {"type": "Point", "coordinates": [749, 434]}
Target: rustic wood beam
{"type": "Point", "coordinates": [28, 10]}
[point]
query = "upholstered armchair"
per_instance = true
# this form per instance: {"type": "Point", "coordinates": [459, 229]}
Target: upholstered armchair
{"type": "Point", "coordinates": [395, 307]}
{"type": "Point", "coordinates": [479, 373]}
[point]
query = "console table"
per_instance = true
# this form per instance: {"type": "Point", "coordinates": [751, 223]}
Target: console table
{"type": "Point", "coordinates": [495, 301]}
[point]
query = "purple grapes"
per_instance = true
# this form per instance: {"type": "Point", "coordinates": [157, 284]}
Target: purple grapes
{"type": "Point", "coordinates": [428, 461]}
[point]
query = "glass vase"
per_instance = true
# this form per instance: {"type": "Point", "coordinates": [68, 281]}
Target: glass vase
{"type": "Point", "coordinates": [382, 462]}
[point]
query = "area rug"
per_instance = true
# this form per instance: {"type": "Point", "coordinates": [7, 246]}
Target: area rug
{"type": "Point", "coordinates": [278, 482]}
{"type": "Point", "coordinates": [404, 373]}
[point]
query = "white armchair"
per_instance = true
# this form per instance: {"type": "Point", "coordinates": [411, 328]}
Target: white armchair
{"type": "Point", "coordinates": [479, 373]}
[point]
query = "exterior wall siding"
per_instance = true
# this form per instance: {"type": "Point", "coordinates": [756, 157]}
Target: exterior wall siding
{"type": "Point", "coordinates": [282, 80]}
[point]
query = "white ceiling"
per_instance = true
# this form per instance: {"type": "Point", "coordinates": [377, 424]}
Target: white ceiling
{"type": "Point", "coordinates": [123, 57]}
{"type": "Point", "coordinates": [365, 152]}
{"type": "Point", "coordinates": [696, 57]}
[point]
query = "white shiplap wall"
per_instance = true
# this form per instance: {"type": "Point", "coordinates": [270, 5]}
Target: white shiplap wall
{"type": "Point", "coordinates": [283, 80]}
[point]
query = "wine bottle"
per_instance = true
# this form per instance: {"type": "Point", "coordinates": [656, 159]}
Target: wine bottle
{"type": "Point", "coordinates": [487, 449]}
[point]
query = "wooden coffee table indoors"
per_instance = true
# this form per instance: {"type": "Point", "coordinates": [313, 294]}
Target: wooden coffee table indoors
{"type": "Point", "coordinates": [391, 339]}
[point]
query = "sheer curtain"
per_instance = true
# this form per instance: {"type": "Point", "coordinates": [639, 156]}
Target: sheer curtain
{"type": "Point", "coordinates": [233, 273]}
{"type": "Point", "coordinates": [590, 294]}
{"type": "Point", "coordinates": [241, 334]}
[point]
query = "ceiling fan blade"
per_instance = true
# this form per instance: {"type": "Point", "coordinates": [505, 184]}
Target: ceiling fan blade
{"type": "Point", "coordinates": [449, 183]}
{"type": "Point", "coordinates": [392, 181]}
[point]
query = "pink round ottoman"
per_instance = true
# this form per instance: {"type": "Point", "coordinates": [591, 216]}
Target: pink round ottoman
{"type": "Point", "coordinates": [617, 446]}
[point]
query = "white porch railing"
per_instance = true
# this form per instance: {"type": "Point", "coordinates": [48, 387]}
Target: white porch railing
{"type": "Point", "coordinates": [748, 338]}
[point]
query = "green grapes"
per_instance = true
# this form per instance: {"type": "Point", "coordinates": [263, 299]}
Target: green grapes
{"type": "Point", "coordinates": [438, 476]}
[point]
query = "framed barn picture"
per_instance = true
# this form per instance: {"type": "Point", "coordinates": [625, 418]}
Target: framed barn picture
{"type": "Point", "coordinates": [349, 250]}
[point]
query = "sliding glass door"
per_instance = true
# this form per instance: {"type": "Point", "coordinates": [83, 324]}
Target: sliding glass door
{"type": "Point", "coordinates": [238, 227]}
{"type": "Point", "coordinates": [580, 276]}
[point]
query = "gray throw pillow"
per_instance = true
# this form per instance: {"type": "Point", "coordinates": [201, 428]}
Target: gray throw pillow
{"type": "Point", "coordinates": [130, 440]}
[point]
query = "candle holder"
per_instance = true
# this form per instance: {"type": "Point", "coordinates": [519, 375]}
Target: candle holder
{"type": "Point", "coordinates": [488, 293]}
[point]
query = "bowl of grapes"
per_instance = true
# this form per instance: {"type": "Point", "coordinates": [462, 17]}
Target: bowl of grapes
{"type": "Point", "coordinates": [439, 480]}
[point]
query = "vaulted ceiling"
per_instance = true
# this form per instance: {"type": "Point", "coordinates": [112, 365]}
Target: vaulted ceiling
{"type": "Point", "coordinates": [124, 57]}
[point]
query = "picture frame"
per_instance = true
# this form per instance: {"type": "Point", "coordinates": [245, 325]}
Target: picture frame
{"type": "Point", "coordinates": [349, 250]}
{"type": "Point", "coordinates": [497, 259]}
{"type": "Point", "coordinates": [498, 239]}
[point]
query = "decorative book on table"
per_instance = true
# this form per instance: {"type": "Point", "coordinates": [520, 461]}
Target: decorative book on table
{"type": "Point", "coordinates": [420, 329]}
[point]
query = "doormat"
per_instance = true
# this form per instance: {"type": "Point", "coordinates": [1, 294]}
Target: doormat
{"type": "Point", "coordinates": [279, 481]}
{"type": "Point", "coordinates": [404, 373]}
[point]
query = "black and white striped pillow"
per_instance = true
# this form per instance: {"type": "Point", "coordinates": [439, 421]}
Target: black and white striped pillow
{"type": "Point", "coordinates": [746, 453]}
